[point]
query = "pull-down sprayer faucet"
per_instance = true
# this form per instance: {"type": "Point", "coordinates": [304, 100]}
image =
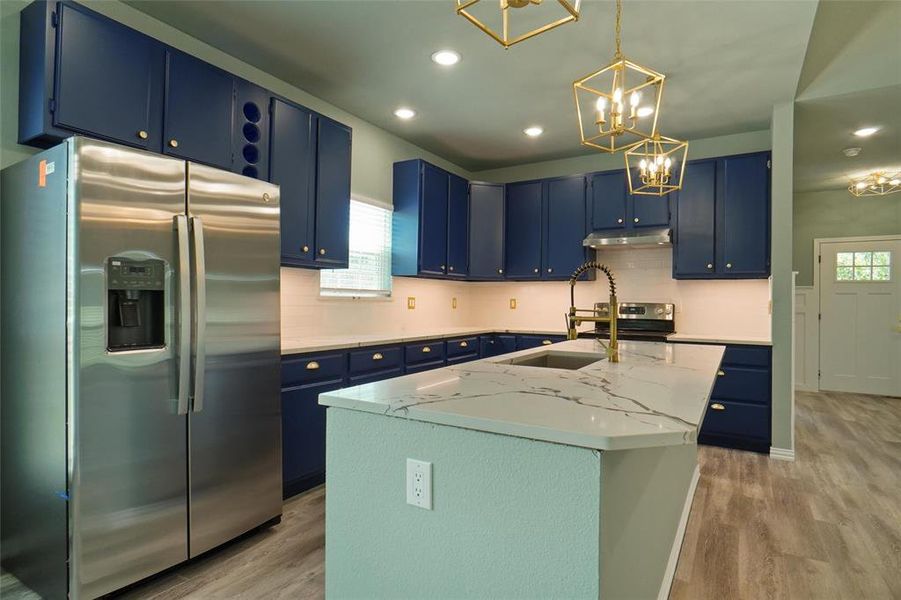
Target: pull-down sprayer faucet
{"type": "Point", "coordinates": [574, 320]}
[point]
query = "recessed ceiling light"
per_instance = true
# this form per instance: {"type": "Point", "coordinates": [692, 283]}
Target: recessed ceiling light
{"type": "Point", "coordinates": [404, 113]}
{"type": "Point", "coordinates": [533, 131]}
{"type": "Point", "coordinates": [446, 58]}
{"type": "Point", "coordinates": [866, 131]}
{"type": "Point", "coordinates": [644, 111]}
{"type": "Point", "coordinates": [851, 152]}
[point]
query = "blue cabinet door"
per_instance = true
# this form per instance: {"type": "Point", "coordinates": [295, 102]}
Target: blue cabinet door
{"type": "Point", "coordinates": [457, 227]}
{"type": "Point", "coordinates": [649, 211]}
{"type": "Point", "coordinates": [608, 200]}
{"type": "Point", "coordinates": [433, 221]}
{"type": "Point", "coordinates": [496, 344]}
{"type": "Point", "coordinates": [693, 240]}
{"type": "Point", "coordinates": [522, 233]}
{"type": "Point", "coordinates": [303, 435]}
{"type": "Point", "coordinates": [486, 231]}
{"type": "Point", "coordinates": [292, 163]}
{"type": "Point", "coordinates": [744, 215]}
{"type": "Point", "coordinates": [564, 226]}
{"type": "Point", "coordinates": [332, 193]}
{"type": "Point", "coordinates": [109, 79]}
{"type": "Point", "coordinates": [199, 111]}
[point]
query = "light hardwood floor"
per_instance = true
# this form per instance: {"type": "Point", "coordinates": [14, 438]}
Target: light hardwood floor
{"type": "Point", "coordinates": [825, 526]}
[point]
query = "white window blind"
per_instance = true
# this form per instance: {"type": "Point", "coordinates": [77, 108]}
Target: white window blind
{"type": "Point", "coordinates": [369, 273]}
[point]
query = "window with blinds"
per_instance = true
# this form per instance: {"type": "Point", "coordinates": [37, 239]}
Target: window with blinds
{"type": "Point", "coordinates": [369, 273]}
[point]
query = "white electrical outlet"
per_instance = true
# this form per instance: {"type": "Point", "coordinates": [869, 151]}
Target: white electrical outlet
{"type": "Point", "coordinates": [419, 483]}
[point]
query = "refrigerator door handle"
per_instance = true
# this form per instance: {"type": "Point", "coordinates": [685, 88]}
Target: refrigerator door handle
{"type": "Point", "coordinates": [200, 315]}
{"type": "Point", "coordinates": [184, 314]}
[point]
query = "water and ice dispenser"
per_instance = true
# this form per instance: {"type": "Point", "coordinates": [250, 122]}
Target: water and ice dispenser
{"type": "Point", "coordinates": [135, 304]}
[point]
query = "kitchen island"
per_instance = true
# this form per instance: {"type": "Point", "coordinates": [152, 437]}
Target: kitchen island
{"type": "Point", "coordinates": [554, 474]}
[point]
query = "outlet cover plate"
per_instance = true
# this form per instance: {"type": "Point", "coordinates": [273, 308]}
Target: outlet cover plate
{"type": "Point", "coordinates": [419, 483]}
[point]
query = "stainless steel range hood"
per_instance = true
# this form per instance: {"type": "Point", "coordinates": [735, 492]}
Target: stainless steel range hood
{"type": "Point", "coordinates": [636, 238]}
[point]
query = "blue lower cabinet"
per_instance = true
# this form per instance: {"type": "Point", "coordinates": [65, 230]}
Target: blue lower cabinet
{"type": "Point", "coordinates": [427, 366]}
{"type": "Point", "coordinates": [533, 341]}
{"type": "Point", "coordinates": [458, 347]}
{"type": "Point", "coordinates": [738, 414]}
{"type": "Point", "coordinates": [376, 362]}
{"type": "Point", "coordinates": [496, 344]}
{"type": "Point", "coordinates": [377, 376]}
{"type": "Point", "coordinates": [303, 418]}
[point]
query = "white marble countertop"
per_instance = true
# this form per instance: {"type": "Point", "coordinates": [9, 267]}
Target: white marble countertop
{"type": "Point", "coordinates": [335, 342]}
{"type": "Point", "coordinates": [655, 396]}
{"type": "Point", "coordinates": [719, 339]}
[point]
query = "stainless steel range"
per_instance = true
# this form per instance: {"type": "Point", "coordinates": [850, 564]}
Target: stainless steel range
{"type": "Point", "coordinates": [641, 321]}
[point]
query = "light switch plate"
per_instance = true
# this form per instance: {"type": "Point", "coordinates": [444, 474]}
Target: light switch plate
{"type": "Point", "coordinates": [419, 483]}
{"type": "Point", "coordinates": [411, 302]}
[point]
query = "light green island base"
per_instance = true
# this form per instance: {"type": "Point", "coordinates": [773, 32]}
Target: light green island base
{"type": "Point", "coordinates": [512, 517]}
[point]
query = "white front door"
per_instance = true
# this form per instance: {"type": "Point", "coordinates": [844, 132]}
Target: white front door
{"type": "Point", "coordinates": [860, 325]}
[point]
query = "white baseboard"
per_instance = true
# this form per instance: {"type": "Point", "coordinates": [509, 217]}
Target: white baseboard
{"type": "Point", "coordinates": [782, 453]}
{"type": "Point", "coordinates": [673, 561]}
{"type": "Point", "coordinates": [806, 388]}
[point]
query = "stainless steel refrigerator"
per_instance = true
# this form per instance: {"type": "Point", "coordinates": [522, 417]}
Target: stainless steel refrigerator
{"type": "Point", "coordinates": [140, 400]}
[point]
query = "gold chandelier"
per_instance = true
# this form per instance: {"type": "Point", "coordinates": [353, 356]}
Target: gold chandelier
{"type": "Point", "coordinates": [621, 100]}
{"type": "Point", "coordinates": [877, 183]}
{"type": "Point", "coordinates": [505, 38]}
{"type": "Point", "coordinates": [655, 167]}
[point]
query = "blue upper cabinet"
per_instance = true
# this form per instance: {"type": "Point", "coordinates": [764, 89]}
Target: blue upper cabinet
{"type": "Point", "coordinates": [250, 154]}
{"type": "Point", "coordinates": [333, 163]}
{"type": "Point", "coordinates": [522, 237]}
{"type": "Point", "coordinates": [431, 221]}
{"type": "Point", "coordinates": [744, 216]}
{"type": "Point", "coordinates": [722, 224]}
{"type": "Point", "coordinates": [649, 211]}
{"type": "Point", "coordinates": [292, 165]}
{"type": "Point", "coordinates": [457, 227]}
{"type": "Point", "coordinates": [564, 219]}
{"type": "Point", "coordinates": [81, 72]}
{"type": "Point", "coordinates": [486, 231]}
{"type": "Point", "coordinates": [199, 113]}
{"type": "Point", "coordinates": [608, 200]}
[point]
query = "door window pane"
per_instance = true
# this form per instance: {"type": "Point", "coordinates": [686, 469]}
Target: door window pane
{"type": "Point", "coordinates": [863, 266]}
{"type": "Point", "coordinates": [881, 273]}
{"type": "Point", "coordinates": [844, 258]}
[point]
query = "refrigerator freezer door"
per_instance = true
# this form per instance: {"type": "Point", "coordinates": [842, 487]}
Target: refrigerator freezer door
{"type": "Point", "coordinates": [128, 488]}
{"type": "Point", "coordinates": [235, 427]}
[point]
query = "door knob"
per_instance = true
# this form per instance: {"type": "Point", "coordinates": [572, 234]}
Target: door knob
{"type": "Point", "coordinates": [173, 143]}
{"type": "Point", "coordinates": [142, 134]}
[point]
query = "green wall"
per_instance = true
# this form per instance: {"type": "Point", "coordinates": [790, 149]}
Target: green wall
{"type": "Point", "coordinates": [836, 213]}
{"type": "Point", "coordinates": [374, 149]}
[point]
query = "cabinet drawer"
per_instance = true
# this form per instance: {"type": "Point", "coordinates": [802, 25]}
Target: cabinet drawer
{"type": "Point", "coordinates": [375, 359]}
{"type": "Point", "coordinates": [462, 346]}
{"type": "Point", "coordinates": [425, 352]}
{"type": "Point", "coordinates": [737, 419]}
{"type": "Point", "coordinates": [376, 376]}
{"type": "Point", "coordinates": [751, 356]}
{"type": "Point", "coordinates": [533, 341]}
{"type": "Point", "coordinates": [748, 384]}
{"type": "Point", "coordinates": [426, 366]}
{"type": "Point", "coordinates": [303, 369]}
{"type": "Point", "coordinates": [462, 358]}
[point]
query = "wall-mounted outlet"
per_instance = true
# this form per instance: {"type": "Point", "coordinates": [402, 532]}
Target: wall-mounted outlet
{"type": "Point", "coordinates": [411, 302]}
{"type": "Point", "coordinates": [419, 483]}
{"type": "Point", "coordinates": [512, 303]}
{"type": "Point", "coordinates": [454, 302]}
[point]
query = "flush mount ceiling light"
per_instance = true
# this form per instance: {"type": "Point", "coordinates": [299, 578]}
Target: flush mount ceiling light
{"type": "Point", "coordinates": [446, 58]}
{"type": "Point", "coordinates": [866, 131]}
{"type": "Point", "coordinates": [851, 152]}
{"type": "Point", "coordinates": [655, 167]}
{"type": "Point", "coordinates": [496, 22]}
{"type": "Point", "coordinates": [533, 131]}
{"type": "Point", "coordinates": [618, 105]}
{"type": "Point", "coordinates": [878, 183]}
{"type": "Point", "coordinates": [405, 113]}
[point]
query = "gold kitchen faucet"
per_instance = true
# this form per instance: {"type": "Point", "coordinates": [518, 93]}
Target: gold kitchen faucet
{"type": "Point", "coordinates": [574, 319]}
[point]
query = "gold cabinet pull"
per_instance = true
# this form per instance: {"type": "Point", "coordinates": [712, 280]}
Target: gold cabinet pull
{"type": "Point", "coordinates": [464, 344]}
{"type": "Point", "coordinates": [619, 220]}
{"type": "Point", "coordinates": [720, 373]}
{"type": "Point", "coordinates": [306, 248]}
{"type": "Point", "coordinates": [142, 134]}
{"type": "Point", "coordinates": [547, 342]}
{"type": "Point", "coordinates": [322, 251]}
{"type": "Point", "coordinates": [635, 219]}
{"type": "Point", "coordinates": [450, 268]}
{"type": "Point", "coordinates": [173, 143]}
{"type": "Point", "coordinates": [709, 265]}
{"type": "Point", "coordinates": [312, 365]}
{"type": "Point", "coordinates": [500, 271]}
{"type": "Point", "coordinates": [728, 265]}
{"type": "Point", "coordinates": [550, 270]}
{"type": "Point", "coordinates": [377, 356]}
{"type": "Point", "coordinates": [426, 350]}
{"type": "Point", "coordinates": [717, 406]}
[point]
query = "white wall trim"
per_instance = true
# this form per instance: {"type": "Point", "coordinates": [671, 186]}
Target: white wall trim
{"type": "Point", "coordinates": [782, 453]}
{"type": "Point", "coordinates": [806, 342]}
{"type": "Point", "coordinates": [673, 561]}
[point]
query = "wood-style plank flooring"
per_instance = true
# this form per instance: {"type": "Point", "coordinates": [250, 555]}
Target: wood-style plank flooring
{"type": "Point", "coordinates": [825, 526]}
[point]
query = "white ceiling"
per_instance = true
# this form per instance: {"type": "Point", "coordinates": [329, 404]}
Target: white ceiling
{"type": "Point", "coordinates": [727, 62]}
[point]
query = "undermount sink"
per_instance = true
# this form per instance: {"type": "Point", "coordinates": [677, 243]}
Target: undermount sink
{"type": "Point", "coordinates": [556, 360]}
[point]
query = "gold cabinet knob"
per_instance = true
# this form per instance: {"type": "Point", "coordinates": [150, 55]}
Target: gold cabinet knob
{"type": "Point", "coordinates": [500, 271]}
{"type": "Point", "coordinates": [536, 269]}
{"type": "Point", "coordinates": [717, 406]}
{"type": "Point", "coordinates": [635, 219]}
{"type": "Point", "coordinates": [306, 248]}
{"type": "Point", "coordinates": [547, 342]}
{"type": "Point", "coordinates": [377, 356]}
{"type": "Point", "coordinates": [322, 252]}
{"type": "Point", "coordinates": [426, 350]}
{"type": "Point", "coordinates": [709, 265]}
{"type": "Point", "coordinates": [550, 270]}
{"type": "Point", "coordinates": [619, 220]}
{"type": "Point", "coordinates": [728, 265]}
{"type": "Point", "coordinates": [173, 143]}
{"type": "Point", "coordinates": [443, 268]}
{"type": "Point", "coordinates": [142, 134]}
{"type": "Point", "coordinates": [312, 365]}
{"type": "Point", "coordinates": [464, 344]}
{"type": "Point", "coordinates": [451, 268]}
{"type": "Point", "coordinates": [720, 373]}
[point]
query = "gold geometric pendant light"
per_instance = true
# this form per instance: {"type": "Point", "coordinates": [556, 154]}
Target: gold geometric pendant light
{"type": "Point", "coordinates": [505, 31]}
{"type": "Point", "coordinates": [876, 184]}
{"type": "Point", "coordinates": [618, 105]}
{"type": "Point", "coordinates": [655, 167]}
